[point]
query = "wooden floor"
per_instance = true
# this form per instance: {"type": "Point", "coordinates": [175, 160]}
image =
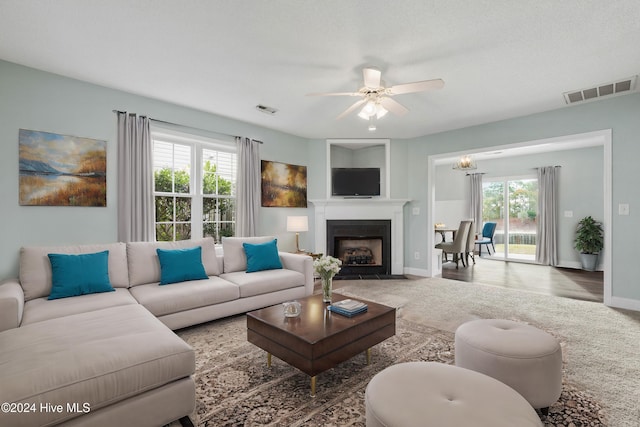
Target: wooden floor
{"type": "Point", "coordinates": [563, 282]}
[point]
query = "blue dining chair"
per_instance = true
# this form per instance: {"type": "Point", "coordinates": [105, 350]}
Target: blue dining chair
{"type": "Point", "coordinates": [488, 231]}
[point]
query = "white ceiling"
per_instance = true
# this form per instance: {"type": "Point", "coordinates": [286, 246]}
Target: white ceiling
{"type": "Point", "coordinates": [498, 58]}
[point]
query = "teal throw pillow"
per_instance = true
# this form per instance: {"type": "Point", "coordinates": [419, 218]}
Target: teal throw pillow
{"type": "Point", "coordinates": [262, 256]}
{"type": "Point", "coordinates": [74, 275]}
{"type": "Point", "coordinates": [180, 265]}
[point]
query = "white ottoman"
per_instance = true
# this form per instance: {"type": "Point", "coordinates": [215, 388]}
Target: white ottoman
{"type": "Point", "coordinates": [523, 357]}
{"type": "Point", "coordinates": [434, 394]}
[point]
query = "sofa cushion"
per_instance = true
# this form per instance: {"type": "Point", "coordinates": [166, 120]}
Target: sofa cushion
{"type": "Point", "coordinates": [263, 282]}
{"type": "Point", "coordinates": [162, 300]}
{"type": "Point", "coordinates": [179, 265]}
{"type": "Point", "coordinates": [74, 275]}
{"type": "Point", "coordinates": [40, 309]}
{"type": "Point", "coordinates": [99, 358]}
{"type": "Point", "coordinates": [144, 266]}
{"type": "Point", "coordinates": [262, 256]}
{"type": "Point", "coordinates": [35, 268]}
{"type": "Point", "coordinates": [235, 258]}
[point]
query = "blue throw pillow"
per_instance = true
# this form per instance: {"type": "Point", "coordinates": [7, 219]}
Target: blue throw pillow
{"type": "Point", "coordinates": [180, 265]}
{"type": "Point", "coordinates": [74, 275]}
{"type": "Point", "coordinates": [262, 256]}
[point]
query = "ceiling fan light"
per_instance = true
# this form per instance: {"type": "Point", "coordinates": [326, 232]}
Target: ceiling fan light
{"type": "Point", "coordinates": [380, 111]}
{"type": "Point", "coordinates": [369, 109]}
{"type": "Point", "coordinates": [363, 115]}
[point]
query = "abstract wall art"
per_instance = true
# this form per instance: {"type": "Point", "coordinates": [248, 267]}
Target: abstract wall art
{"type": "Point", "coordinates": [284, 185]}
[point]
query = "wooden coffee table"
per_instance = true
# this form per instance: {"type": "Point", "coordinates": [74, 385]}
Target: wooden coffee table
{"type": "Point", "coordinates": [318, 339]}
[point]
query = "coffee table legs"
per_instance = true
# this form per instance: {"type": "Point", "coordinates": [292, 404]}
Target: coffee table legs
{"type": "Point", "coordinates": [313, 378]}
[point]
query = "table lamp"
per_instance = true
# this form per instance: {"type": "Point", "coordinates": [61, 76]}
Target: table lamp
{"type": "Point", "coordinates": [297, 224]}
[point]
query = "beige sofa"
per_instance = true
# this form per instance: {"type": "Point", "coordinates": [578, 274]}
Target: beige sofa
{"type": "Point", "coordinates": [111, 358]}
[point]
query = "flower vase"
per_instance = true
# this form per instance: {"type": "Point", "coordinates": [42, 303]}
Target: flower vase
{"type": "Point", "coordinates": [326, 289]}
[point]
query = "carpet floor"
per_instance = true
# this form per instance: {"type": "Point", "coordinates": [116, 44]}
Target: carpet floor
{"type": "Point", "coordinates": [601, 384]}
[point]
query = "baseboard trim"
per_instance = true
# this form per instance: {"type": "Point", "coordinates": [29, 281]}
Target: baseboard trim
{"type": "Point", "coordinates": [417, 272]}
{"type": "Point", "coordinates": [577, 265]}
{"type": "Point", "coordinates": [626, 303]}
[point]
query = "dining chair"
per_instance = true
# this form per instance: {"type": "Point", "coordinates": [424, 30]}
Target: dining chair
{"type": "Point", "coordinates": [471, 243]}
{"type": "Point", "coordinates": [488, 232]}
{"type": "Point", "coordinates": [459, 245]}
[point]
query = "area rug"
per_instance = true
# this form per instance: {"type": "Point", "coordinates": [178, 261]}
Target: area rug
{"type": "Point", "coordinates": [600, 344]}
{"type": "Point", "coordinates": [234, 386]}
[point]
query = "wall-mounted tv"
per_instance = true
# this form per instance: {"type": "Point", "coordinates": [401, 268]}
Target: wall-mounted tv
{"type": "Point", "coordinates": [355, 182]}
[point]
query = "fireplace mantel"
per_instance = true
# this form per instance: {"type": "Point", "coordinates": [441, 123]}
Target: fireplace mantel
{"type": "Point", "coordinates": [375, 208]}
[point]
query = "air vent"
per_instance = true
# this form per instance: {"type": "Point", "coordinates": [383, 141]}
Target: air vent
{"type": "Point", "coordinates": [605, 89]}
{"type": "Point", "coordinates": [267, 110]}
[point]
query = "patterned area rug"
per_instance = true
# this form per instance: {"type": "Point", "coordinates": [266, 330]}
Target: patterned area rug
{"type": "Point", "coordinates": [234, 386]}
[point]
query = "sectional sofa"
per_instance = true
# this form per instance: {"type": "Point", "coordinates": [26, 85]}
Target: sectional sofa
{"type": "Point", "coordinates": [110, 357]}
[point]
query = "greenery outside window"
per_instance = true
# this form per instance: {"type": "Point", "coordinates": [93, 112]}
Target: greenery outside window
{"type": "Point", "coordinates": [194, 186]}
{"type": "Point", "coordinates": [512, 203]}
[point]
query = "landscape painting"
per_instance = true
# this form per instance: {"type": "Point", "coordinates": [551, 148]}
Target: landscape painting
{"type": "Point", "coordinates": [284, 185]}
{"type": "Point", "coordinates": [61, 170]}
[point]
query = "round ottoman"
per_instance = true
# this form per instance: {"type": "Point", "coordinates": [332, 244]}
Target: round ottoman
{"type": "Point", "coordinates": [523, 357]}
{"type": "Point", "coordinates": [434, 394]}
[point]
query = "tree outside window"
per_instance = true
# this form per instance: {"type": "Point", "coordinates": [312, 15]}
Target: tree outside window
{"type": "Point", "coordinates": [184, 205]}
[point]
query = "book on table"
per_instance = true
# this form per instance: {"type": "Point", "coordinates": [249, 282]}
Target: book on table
{"type": "Point", "coordinates": [348, 307]}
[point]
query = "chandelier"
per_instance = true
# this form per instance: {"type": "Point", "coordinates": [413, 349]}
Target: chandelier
{"type": "Point", "coordinates": [465, 163]}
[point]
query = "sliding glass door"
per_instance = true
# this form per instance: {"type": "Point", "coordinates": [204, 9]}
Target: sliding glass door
{"type": "Point", "coordinates": [512, 203]}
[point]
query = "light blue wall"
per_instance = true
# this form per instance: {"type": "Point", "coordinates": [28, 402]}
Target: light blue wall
{"type": "Point", "coordinates": [32, 99]}
{"type": "Point", "coordinates": [621, 114]}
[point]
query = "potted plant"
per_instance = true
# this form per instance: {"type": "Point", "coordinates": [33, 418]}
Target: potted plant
{"type": "Point", "coordinates": [589, 242]}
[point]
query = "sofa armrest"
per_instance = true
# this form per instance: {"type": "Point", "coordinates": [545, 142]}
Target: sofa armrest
{"type": "Point", "coordinates": [11, 304]}
{"type": "Point", "coordinates": [300, 263]}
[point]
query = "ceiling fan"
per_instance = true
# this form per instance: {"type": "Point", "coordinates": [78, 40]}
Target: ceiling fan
{"type": "Point", "coordinates": [376, 98]}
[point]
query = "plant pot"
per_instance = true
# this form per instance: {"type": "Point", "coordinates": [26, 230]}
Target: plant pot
{"type": "Point", "coordinates": [589, 261]}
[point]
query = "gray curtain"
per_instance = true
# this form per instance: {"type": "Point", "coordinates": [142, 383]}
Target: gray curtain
{"type": "Point", "coordinates": [135, 179]}
{"type": "Point", "coordinates": [248, 187]}
{"type": "Point", "coordinates": [546, 245]}
{"type": "Point", "coordinates": [476, 200]}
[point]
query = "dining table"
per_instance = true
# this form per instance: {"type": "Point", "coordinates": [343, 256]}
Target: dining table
{"type": "Point", "coordinates": [444, 230]}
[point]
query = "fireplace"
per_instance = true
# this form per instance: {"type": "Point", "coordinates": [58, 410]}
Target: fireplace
{"type": "Point", "coordinates": [364, 246]}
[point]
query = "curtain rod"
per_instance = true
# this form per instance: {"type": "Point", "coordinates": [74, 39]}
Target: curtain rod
{"type": "Point", "coordinates": [556, 166]}
{"type": "Point", "coordinates": [189, 127]}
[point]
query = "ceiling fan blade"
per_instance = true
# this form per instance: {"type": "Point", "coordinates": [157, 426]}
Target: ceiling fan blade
{"type": "Point", "coordinates": [334, 94]}
{"type": "Point", "coordinates": [415, 87]}
{"type": "Point", "coordinates": [371, 77]}
{"type": "Point", "coordinates": [352, 108]}
{"type": "Point", "coordinates": [394, 106]}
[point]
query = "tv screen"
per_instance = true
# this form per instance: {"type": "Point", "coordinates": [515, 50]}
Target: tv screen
{"type": "Point", "coordinates": [355, 181]}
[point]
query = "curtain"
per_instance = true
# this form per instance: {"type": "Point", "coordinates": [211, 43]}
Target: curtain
{"type": "Point", "coordinates": [476, 200]}
{"type": "Point", "coordinates": [135, 179]}
{"type": "Point", "coordinates": [248, 187]}
{"type": "Point", "coordinates": [546, 246]}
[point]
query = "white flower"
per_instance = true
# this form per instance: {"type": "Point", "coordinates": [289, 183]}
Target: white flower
{"type": "Point", "coordinates": [327, 266]}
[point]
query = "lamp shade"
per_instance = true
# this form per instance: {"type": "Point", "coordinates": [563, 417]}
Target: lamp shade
{"type": "Point", "coordinates": [297, 223]}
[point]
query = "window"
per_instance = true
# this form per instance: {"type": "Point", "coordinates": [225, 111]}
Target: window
{"type": "Point", "coordinates": [512, 203]}
{"type": "Point", "coordinates": [194, 186]}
